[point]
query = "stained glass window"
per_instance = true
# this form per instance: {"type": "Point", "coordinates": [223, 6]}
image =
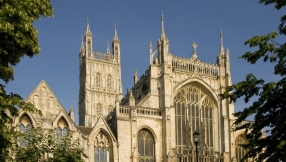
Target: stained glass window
{"type": "Point", "coordinates": [62, 129]}
{"type": "Point", "coordinates": [102, 147]}
{"type": "Point", "coordinates": [146, 146]}
{"type": "Point", "coordinates": [191, 114]}
{"type": "Point", "coordinates": [25, 127]}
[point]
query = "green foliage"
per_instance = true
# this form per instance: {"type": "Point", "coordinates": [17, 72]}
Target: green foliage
{"type": "Point", "coordinates": [37, 143]}
{"type": "Point", "coordinates": [67, 151]}
{"type": "Point", "coordinates": [269, 109]}
{"type": "Point", "coordinates": [18, 39]}
{"type": "Point", "coordinates": [40, 144]}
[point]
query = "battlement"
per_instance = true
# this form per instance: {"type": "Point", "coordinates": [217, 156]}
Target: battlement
{"type": "Point", "coordinates": [194, 65]}
{"type": "Point", "coordinates": [103, 57]}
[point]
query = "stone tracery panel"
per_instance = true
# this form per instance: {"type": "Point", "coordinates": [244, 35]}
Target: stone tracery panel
{"type": "Point", "coordinates": [102, 148]}
{"type": "Point", "coordinates": [193, 112]}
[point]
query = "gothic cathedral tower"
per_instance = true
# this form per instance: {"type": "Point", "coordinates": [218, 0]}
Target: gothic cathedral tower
{"type": "Point", "coordinates": [100, 79]}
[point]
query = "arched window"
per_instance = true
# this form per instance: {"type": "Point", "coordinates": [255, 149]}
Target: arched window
{"type": "Point", "coordinates": [239, 150]}
{"type": "Point", "coordinates": [192, 116]}
{"type": "Point", "coordinates": [99, 109]}
{"type": "Point", "coordinates": [146, 146]}
{"type": "Point", "coordinates": [62, 129]}
{"type": "Point", "coordinates": [25, 127]}
{"type": "Point", "coordinates": [109, 82]}
{"type": "Point", "coordinates": [98, 80]}
{"type": "Point", "coordinates": [102, 148]}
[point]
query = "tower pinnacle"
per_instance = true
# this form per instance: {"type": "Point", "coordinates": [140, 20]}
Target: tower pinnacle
{"type": "Point", "coordinates": [163, 35]}
{"type": "Point", "coordinates": [87, 27]}
{"type": "Point", "coordinates": [115, 34]}
{"type": "Point", "coordinates": [221, 43]}
{"type": "Point", "coordinates": [108, 50]}
{"type": "Point", "coordinates": [82, 44]}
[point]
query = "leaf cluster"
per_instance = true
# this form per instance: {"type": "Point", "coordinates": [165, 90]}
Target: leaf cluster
{"type": "Point", "coordinates": [45, 146]}
{"type": "Point", "coordinates": [18, 39]}
{"type": "Point", "coordinates": [269, 109]}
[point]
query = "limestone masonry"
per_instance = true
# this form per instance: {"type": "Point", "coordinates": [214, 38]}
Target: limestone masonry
{"type": "Point", "coordinates": [156, 119]}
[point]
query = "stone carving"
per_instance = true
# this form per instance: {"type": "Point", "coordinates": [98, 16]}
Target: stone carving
{"type": "Point", "coordinates": [101, 141]}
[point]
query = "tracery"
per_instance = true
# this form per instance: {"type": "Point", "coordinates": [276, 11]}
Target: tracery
{"type": "Point", "coordinates": [194, 112]}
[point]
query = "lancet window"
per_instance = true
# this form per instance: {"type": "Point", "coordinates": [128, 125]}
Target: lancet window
{"type": "Point", "coordinates": [62, 129]}
{"type": "Point", "coordinates": [102, 148]}
{"type": "Point", "coordinates": [99, 109]}
{"type": "Point", "coordinates": [98, 80]}
{"type": "Point", "coordinates": [89, 48]}
{"type": "Point", "coordinates": [25, 127]}
{"type": "Point", "coordinates": [193, 112]}
{"type": "Point", "coordinates": [109, 81]}
{"type": "Point", "coordinates": [146, 146]}
{"type": "Point", "coordinates": [239, 150]}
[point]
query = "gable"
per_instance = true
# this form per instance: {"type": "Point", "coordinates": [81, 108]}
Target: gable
{"type": "Point", "coordinates": [45, 100]}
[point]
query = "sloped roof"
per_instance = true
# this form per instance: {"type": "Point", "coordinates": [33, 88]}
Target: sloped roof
{"type": "Point", "coordinates": [85, 130]}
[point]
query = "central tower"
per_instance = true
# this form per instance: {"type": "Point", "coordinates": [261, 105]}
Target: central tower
{"type": "Point", "coordinates": [100, 79]}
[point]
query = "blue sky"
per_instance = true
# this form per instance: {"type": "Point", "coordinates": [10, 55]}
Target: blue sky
{"type": "Point", "coordinates": [138, 23]}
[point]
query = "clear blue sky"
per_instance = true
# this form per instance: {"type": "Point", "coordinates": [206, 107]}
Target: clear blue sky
{"type": "Point", "coordinates": [138, 23]}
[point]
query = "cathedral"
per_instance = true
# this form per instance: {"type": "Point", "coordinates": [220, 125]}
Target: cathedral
{"type": "Point", "coordinates": [172, 113]}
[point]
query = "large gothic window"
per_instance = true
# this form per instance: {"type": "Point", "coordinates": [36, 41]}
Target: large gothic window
{"type": "Point", "coordinates": [98, 80]}
{"type": "Point", "coordinates": [102, 148]}
{"type": "Point", "coordinates": [194, 112]}
{"type": "Point", "coordinates": [62, 129]}
{"type": "Point", "coordinates": [25, 127]}
{"type": "Point", "coordinates": [239, 150]}
{"type": "Point", "coordinates": [109, 81]}
{"type": "Point", "coordinates": [146, 147]}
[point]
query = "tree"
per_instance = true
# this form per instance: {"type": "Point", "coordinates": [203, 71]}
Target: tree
{"type": "Point", "coordinates": [269, 109]}
{"type": "Point", "coordinates": [68, 150]}
{"type": "Point", "coordinates": [37, 144]}
{"type": "Point", "coordinates": [41, 145]}
{"type": "Point", "coordinates": [18, 39]}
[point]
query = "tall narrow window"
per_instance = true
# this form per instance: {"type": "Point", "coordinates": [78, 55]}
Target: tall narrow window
{"type": "Point", "coordinates": [99, 109]}
{"type": "Point", "coordinates": [192, 116]}
{"type": "Point", "coordinates": [88, 48]}
{"type": "Point", "coordinates": [102, 148]}
{"type": "Point", "coordinates": [98, 80]}
{"type": "Point", "coordinates": [25, 127]}
{"type": "Point", "coordinates": [62, 129]}
{"type": "Point", "coordinates": [109, 82]}
{"type": "Point", "coordinates": [239, 150]}
{"type": "Point", "coordinates": [146, 146]}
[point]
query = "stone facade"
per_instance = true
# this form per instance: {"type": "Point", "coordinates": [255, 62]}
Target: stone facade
{"type": "Point", "coordinates": [156, 119]}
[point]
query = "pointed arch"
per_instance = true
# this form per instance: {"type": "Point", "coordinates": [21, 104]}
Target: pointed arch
{"type": "Point", "coordinates": [62, 128]}
{"type": "Point", "coordinates": [98, 80]}
{"type": "Point", "coordinates": [194, 111]}
{"type": "Point", "coordinates": [200, 83]}
{"type": "Point", "coordinates": [109, 81]}
{"type": "Point", "coordinates": [146, 145]}
{"type": "Point", "coordinates": [25, 126]}
{"type": "Point", "coordinates": [103, 146]}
